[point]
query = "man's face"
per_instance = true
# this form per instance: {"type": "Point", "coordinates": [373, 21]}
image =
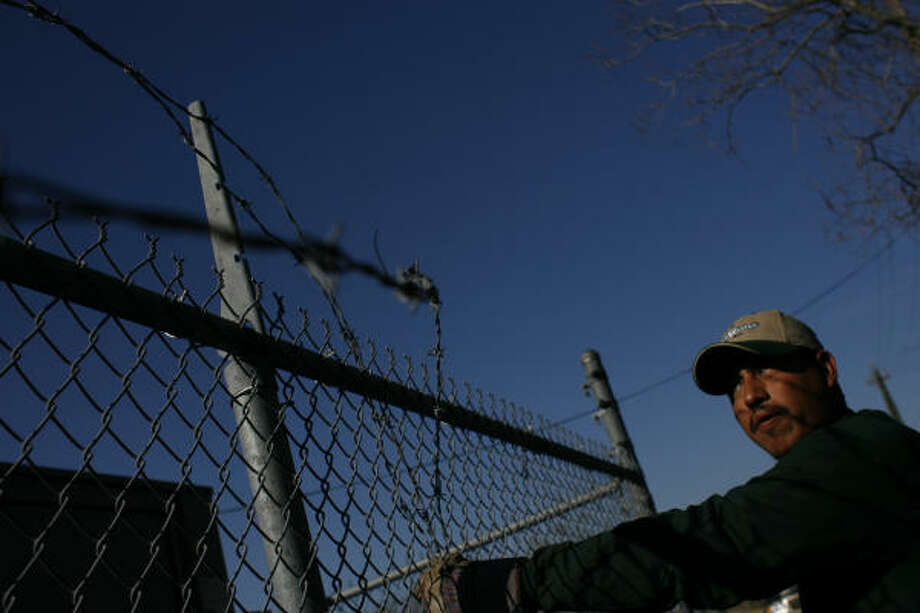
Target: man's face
{"type": "Point", "coordinates": [779, 399]}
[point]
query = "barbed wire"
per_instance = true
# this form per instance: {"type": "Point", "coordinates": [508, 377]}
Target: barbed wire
{"type": "Point", "coordinates": [318, 252]}
{"type": "Point", "coordinates": [411, 285]}
{"type": "Point", "coordinates": [71, 204]}
{"type": "Point", "coordinates": [328, 257]}
{"type": "Point", "coordinates": [174, 109]}
{"type": "Point", "coordinates": [167, 102]}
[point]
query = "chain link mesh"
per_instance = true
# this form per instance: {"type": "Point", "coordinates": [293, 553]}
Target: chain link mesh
{"type": "Point", "coordinates": [123, 477]}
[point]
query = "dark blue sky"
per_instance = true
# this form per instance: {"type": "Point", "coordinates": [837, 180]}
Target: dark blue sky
{"type": "Point", "coordinates": [484, 140]}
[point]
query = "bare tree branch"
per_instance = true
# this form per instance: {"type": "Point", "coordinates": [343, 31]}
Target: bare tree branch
{"type": "Point", "coordinates": [852, 66]}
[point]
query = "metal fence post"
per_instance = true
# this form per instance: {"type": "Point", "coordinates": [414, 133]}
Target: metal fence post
{"type": "Point", "coordinates": [296, 582]}
{"type": "Point", "coordinates": [608, 412]}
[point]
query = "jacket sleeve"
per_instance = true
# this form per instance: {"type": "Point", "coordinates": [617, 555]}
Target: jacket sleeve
{"type": "Point", "coordinates": [751, 543]}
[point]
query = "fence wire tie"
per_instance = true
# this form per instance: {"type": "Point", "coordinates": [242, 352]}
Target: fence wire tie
{"type": "Point", "coordinates": [246, 390]}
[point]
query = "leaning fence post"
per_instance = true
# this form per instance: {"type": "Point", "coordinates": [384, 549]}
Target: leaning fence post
{"type": "Point", "coordinates": [608, 412]}
{"type": "Point", "coordinates": [296, 582]}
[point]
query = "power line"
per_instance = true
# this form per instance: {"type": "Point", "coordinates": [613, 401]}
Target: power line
{"type": "Point", "coordinates": [833, 287]}
{"type": "Point", "coordinates": [631, 395]}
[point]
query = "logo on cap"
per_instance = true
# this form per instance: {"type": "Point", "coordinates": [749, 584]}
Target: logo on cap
{"type": "Point", "coordinates": [733, 332]}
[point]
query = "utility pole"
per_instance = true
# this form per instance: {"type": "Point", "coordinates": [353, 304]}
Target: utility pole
{"type": "Point", "coordinates": [621, 447]}
{"type": "Point", "coordinates": [878, 379]}
{"type": "Point", "coordinates": [296, 584]}
{"type": "Point", "coordinates": [608, 413]}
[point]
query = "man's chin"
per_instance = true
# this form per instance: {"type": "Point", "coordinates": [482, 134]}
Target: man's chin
{"type": "Point", "coordinates": [779, 441]}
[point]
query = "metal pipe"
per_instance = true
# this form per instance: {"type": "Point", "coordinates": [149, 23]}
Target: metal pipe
{"type": "Point", "coordinates": [608, 414]}
{"type": "Point", "coordinates": [290, 554]}
{"type": "Point", "coordinates": [479, 541]}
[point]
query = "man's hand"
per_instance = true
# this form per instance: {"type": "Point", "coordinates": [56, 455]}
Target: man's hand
{"type": "Point", "coordinates": [484, 586]}
{"type": "Point", "coordinates": [437, 587]}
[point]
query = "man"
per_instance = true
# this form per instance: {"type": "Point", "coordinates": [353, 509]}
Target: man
{"type": "Point", "coordinates": [838, 515]}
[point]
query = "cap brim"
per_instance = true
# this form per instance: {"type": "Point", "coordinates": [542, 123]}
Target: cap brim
{"type": "Point", "coordinates": [715, 366]}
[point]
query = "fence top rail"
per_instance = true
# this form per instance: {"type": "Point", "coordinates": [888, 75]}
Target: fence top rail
{"type": "Point", "coordinates": [50, 274]}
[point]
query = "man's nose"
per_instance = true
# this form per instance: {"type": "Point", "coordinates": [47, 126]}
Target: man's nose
{"type": "Point", "coordinates": [753, 391]}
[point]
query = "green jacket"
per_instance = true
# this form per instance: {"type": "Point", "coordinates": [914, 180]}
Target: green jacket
{"type": "Point", "coordinates": [839, 515]}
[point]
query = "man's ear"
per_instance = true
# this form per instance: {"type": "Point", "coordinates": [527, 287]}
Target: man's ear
{"type": "Point", "coordinates": [827, 364]}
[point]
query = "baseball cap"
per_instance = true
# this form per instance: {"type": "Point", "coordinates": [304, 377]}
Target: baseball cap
{"type": "Point", "coordinates": [763, 333]}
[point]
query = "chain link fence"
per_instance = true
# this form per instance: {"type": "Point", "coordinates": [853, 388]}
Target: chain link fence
{"type": "Point", "coordinates": [125, 484]}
